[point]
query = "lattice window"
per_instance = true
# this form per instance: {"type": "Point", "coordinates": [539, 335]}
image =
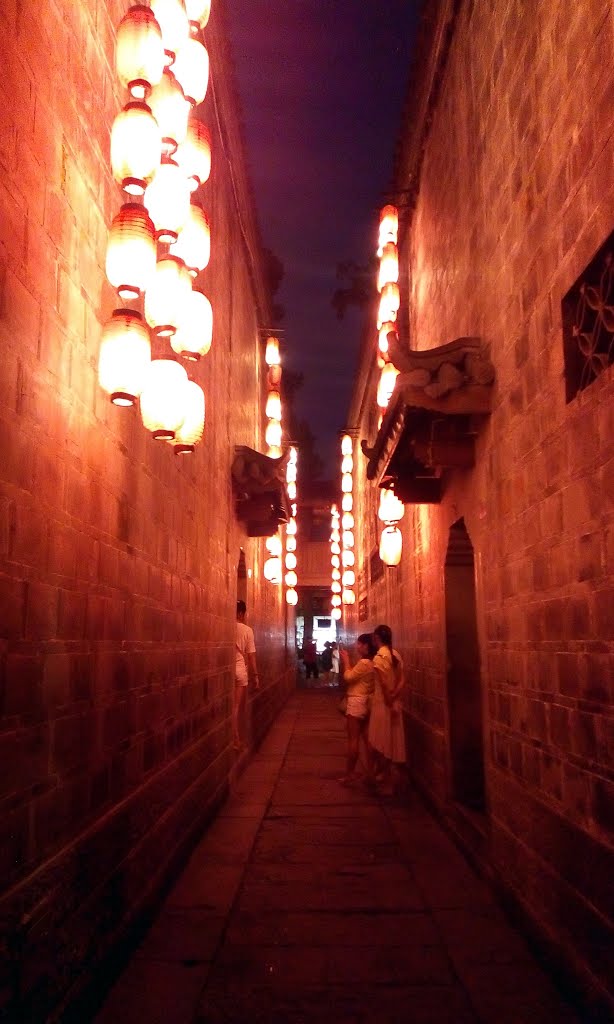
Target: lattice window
{"type": "Point", "coordinates": [588, 322]}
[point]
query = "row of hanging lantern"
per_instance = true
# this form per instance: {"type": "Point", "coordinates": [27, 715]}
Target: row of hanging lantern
{"type": "Point", "coordinates": [390, 512]}
{"type": "Point", "coordinates": [348, 578]}
{"type": "Point", "coordinates": [389, 303]}
{"type": "Point", "coordinates": [291, 578]}
{"type": "Point", "coordinates": [160, 155]}
{"type": "Point", "coordinates": [335, 559]}
{"type": "Point", "coordinates": [273, 433]}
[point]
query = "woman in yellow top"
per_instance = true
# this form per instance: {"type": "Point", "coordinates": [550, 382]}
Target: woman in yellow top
{"type": "Point", "coordinates": [360, 683]}
{"type": "Point", "coordinates": [386, 728]}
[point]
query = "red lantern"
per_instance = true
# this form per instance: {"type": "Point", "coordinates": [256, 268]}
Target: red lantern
{"type": "Point", "coordinates": [193, 243]}
{"type": "Point", "coordinates": [135, 147]}
{"type": "Point", "coordinates": [195, 329]}
{"type": "Point", "coordinates": [139, 55]}
{"type": "Point", "coordinates": [194, 154]}
{"type": "Point", "coordinates": [125, 354]}
{"type": "Point", "coordinates": [170, 109]}
{"type": "Point", "coordinates": [168, 201]}
{"type": "Point", "coordinates": [131, 251]}
{"type": "Point", "coordinates": [167, 296]}
{"type": "Point", "coordinates": [191, 69]}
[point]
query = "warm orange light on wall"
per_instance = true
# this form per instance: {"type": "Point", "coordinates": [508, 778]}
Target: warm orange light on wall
{"type": "Point", "coordinates": [198, 12]}
{"type": "Point", "coordinates": [273, 406]}
{"type": "Point", "coordinates": [386, 385]}
{"type": "Point", "coordinates": [171, 110]}
{"type": "Point", "coordinates": [163, 398]}
{"type": "Point", "coordinates": [131, 251]}
{"type": "Point", "coordinates": [191, 69]}
{"type": "Point", "coordinates": [194, 154]}
{"type": "Point", "coordinates": [388, 227]}
{"type": "Point", "coordinates": [168, 201]}
{"type": "Point", "coordinates": [194, 333]}
{"type": "Point", "coordinates": [173, 21]}
{"type": "Point", "coordinates": [167, 297]}
{"type": "Point", "coordinates": [391, 545]}
{"type": "Point", "coordinates": [272, 357]}
{"type": "Point", "coordinates": [193, 243]}
{"type": "Point", "coordinates": [135, 147]}
{"type": "Point", "coordinates": [389, 266]}
{"type": "Point", "coordinates": [125, 354]}
{"type": "Point", "coordinates": [190, 431]}
{"type": "Point", "coordinates": [139, 54]}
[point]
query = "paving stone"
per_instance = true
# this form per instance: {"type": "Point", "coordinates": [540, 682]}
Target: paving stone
{"type": "Point", "coordinates": [480, 938]}
{"type": "Point", "coordinates": [156, 993]}
{"type": "Point", "coordinates": [181, 935]}
{"type": "Point", "coordinates": [345, 929]}
{"type": "Point", "coordinates": [514, 994]}
{"type": "Point", "coordinates": [288, 852]}
{"type": "Point", "coordinates": [212, 887]}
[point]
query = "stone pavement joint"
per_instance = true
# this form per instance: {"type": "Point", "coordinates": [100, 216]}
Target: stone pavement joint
{"type": "Point", "coordinates": [306, 901]}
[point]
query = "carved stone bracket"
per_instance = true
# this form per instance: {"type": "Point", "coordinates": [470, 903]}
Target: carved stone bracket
{"type": "Point", "coordinates": [430, 425]}
{"type": "Point", "coordinates": [259, 484]}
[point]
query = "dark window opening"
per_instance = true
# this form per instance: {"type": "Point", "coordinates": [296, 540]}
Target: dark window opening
{"type": "Point", "coordinates": [588, 322]}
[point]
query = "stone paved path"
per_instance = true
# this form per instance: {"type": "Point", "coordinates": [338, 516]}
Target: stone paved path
{"type": "Point", "coordinates": [307, 901]}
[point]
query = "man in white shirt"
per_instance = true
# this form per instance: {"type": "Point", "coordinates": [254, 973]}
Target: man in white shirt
{"type": "Point", "coordinates": [245, 666]}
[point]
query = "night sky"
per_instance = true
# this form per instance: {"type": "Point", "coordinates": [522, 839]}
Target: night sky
{"type": "Point", "coordinates": [322, 84]}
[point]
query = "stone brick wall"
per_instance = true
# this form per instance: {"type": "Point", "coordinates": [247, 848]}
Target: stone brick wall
{"type": "Point", "coordinates": [515, 193]}
{"type": "Point", "coordinates": [118, 561]}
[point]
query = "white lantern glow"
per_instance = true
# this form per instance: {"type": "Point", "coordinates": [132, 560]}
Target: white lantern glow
{"type": "Point", "coordinates": [291, 473]}
{"type": "Point", "coordinates": [347, 464]}
{"type": "Point", "coordinates": [349, 578]}
{"type": "Point", "coordinates": [193, 243]}
{"type": "Point", "coordinates": [273, 433]}
{"type": "Point", "coordinates": [194, 154]}
{"type": "Point", "coordinates": [291, 579]}
{"type": "Point", "coordinates": [336, 575]}
{"type": "Point", "coordinates": [336, 613]}
{"type": "Point", "coordinates": [391, 509]}
{"type": "Point", "coordinates": [167, 199]}
{"type": "Point", "coordinates": [348, 597]}
{"type": "Point", "coordinates": [273, 406]}
{"type": "Point", "coordinates": [272, 352]}
{"type": "Point", "coordinates": [290, 560]}
{"type": "Point", "coordinates": [131, 251]}
{"type": "Point", "coordinates": [386, 385]}
{"type": "Point", "coordinates": [139, 53]}
{"type": "Point", "coordinates": [388, 227]}
{"type": "Point", "coordinates": [348, 558]}
{"type": "Point", "coordinates": [335, 587]}
{"type": "Point", "coordinates": [274, 451]}
{"type": "Point", "coordinates": [191, 69]}
{"type": "Point", "coordinates": [347, 503]}
{"type": "Point", "coordinates": [291, 491]}
{"type": "Point", "coordinates": [125, 354]}
{"type": "Point", "coordinates": [389, 266]}
{"type": "Point", "coordinates": [189, 433]}
{"type": "Point", "coordinates": [171, 110]}
{"type": "Point", "coordinates": [163, 398]}
{"type": "Point", "coordinates": [390, 301]}
{"type": "Point", "coordinates": [135, 147]}
{"type": "Point", "coordinates": [347, 522]}
{"type": "Point", "coordinates": [346, 445]}
{"type": "Point", "coordinates": [291, 597]}
{"type": "Point", "coordinates": [382, 339]}
{"type": "Point", "coordinates": [173, 20]}
{"type": "Point", "coordinates": [335, 561]}
{"type": "Point", "coordinates": [391, 545]}
{"type": "Point", "coordinates": [290, 543]}
{"type": "Point", "coordinates": [346, 483]}
{"type": "Point", "coordinates": [271, 570]}
{"type": "Point", "coordinates": [273, 545]}
{"type": "Point", "coordinates": [194, 333]}
{"type": "Point", "coordinates": [167, 297]}
{"type": "Point", "coordinates": [348, 539]}
{"type": "Point", "coordinates": [198, 12]}
{"type": "Point", "coordinates": [335, 548]}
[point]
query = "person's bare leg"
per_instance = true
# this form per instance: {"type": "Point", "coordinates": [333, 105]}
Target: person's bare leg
{"type": "Point", "coordinates": [238, 705]}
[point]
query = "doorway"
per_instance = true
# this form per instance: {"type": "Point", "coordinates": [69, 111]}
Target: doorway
{"type": "Point", "coordinates": [464, 684]}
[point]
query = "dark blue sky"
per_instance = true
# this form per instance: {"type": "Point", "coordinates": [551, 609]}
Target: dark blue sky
{"type": "Point", "coordinates": [322, 85]}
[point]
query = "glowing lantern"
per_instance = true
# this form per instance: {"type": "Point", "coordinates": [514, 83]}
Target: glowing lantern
{"type": "Point", "coordinates": [293, 508]}
{"type": "Point", "coordinates": [273, 433]}
{"type": "Point", "coordinates": [391, 545]}
{"type": "Point", "coordinates": [346, 445]}
{"type": "Point", "coordinates": [139, 54]}
{"type": "Point", "coordinates": [291, 473]}
{"type": "Point", "coordinates": [349, 578]}
{"type": "Point", "coordinates": [167, 297]}
{"type": "Point", "coordinates": [290, 543]}
{"type": "Point", "coordinates": [170, 109]}
{"type": "Point", "coordinates": [348, 597]}
{"type": "Point", "coordinates": [347, 503]}
{"type": "Point", "coordinates": [335, 587]}
{"type": "Point", "coordinates": [135, 147]}
{"type": "Point", "coordinates": [347, 464]}
{"type": "Point", "coordinates": [334, 511]}
{"type": "Point", "coordinates": [131, 251]}
{"type": "Point", "coordinates": [273, 406]}
{"type": "Point", "coordinates": [348, 559]}
{"type": "Point", "coordinates": [193, 243]}
{"type": "Point", "coordinates": [271, 357]}
{"type": "Point", "coordinates": [391, 509]}
{"type": "Point", "coordinates": [190, 432]}
{"type": "Point", "coordinates": [387, 328]}
{"type": "Point", "coordinates": [125, 354]}
{"type": "Point", "coordinates": [290, 560]}
{"type": "Point", "coordinates": [291, 491]}
{"type": "Point", "coordinates": [192, 339]}
{"type": "Point", "coordinates": [173, 21]}
{"type": "Point", "coordinates": [335, 600]}
{"type": "Point", "coordinates": [168, 201]}
{"type": "Point", "coordinates": [293, 456]}
{"type": "Point", "coordinates": [389, 304]}
{"type": "Point", "coordinates": [273, 545]}
{"type": "Point", "coordinates": [163, 398]}
{"type": "Point", "coordinates": [271, 570]}
{"type": "Point", "coordinates": [386, 385]}
{"type": "Point", "coordinates": [335, 536]}
{"type": "Point", "coordinates": [335, 549]}
{"type": "Point", "coordinates": [291, 527]}
{"type": "Point", "coordinates": [389, 266]}
{"type": "Point", "coordinates": [274, 376]}
{"type": "Point", "coordinates": [194, 154]}
{"type": "Point", "coordinates": [291, 597]}
{"type": "Point", "coordinates": [346, 483]}
{"type": "Point", "coordinates": [347, 522]}
{"type": "Point", "coordinates": [335, 561]}
{"type": "Point", "coordinates": [191, 69]}
{"type": "Point", "coordinates": [336, 575]}
{"type": "Point", "coordinates": [336, 613]}
{"type": "Point", "coordinates": [348, 539]}
{"type": "Point", "coordinates": [388, 227]}
{"type": "Point", "coordinates": [198, 12]}
{"type": "Point", "coordinates": [274, 451]}
{"type": "Point", "coordinates": [291, 579]}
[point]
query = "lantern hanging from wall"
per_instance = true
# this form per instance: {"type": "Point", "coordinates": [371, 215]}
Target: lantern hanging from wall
{"type": "Point", "coordinates": [290, 560]}
{"type": "Point", "coordinates": [291, 527]}
{"type": "Point", "coordinates": [349, 578]}
{"type": "Point", "coordinates": [335, 561]}
{"type": "Point", "coordinates": [198, 12]}
{"type": "Point", "coordinates": [389, 303]}
{"type": "Point", "coordinates": [346, 445]}
{"type": "Point", "coordinates": [335, 587]}
{"type": "Point", "coordinates": [348, 597]}
{"type": "Point", "coordinates": [167, 297]}
{"type": "Point", "coordinates": [391, 509]}
{"type": "Point", "coordinates": [389, 266]}
{"type": "Point", "coordinates": [346, 483]}
{"type": "Point", "coordinates": [291, 488]}
{"type": "Point", "coordinates": [347, 522]}
{"type": "Point", "coordinates": [272, 357]}
{"type": "Point", "coordinates": [193, 243]}
{"type": "Point", "coordinates": [383, 341]}
{"type": "Point", "coordinates": [391, 545]}
{"type": "Point", "coordinates": [336, 575]}
{"type": "Point", "coordinates": [135, 147]}
{"type": "Point", "coordinates": [348, 539]}
{"type": "Point", "coordinates": [194, 154]}
{"type": "Point", "coordinates": [388, 227]}
{"type": "Point", "coordinates": [347, 464]}
{"type": "Point", "coordinates": [291, 597]}
{"type": "Point", "coordinates": [335, 600]}
{"type": "Point", "coordinates": [273, 433]}
{"type": "Point", "coordinates": [125, 355]}
{"type": "Point", "coordinates": [274, 376]}
{"type": "Point", "coordinates": [272, 570]}
{"type": "Point", "coordinates": [291, 473]}
{"type": "Point", "coordinates": [131, 251]}
{"type": "Point", "coordinates": [191, 69]}
{"type": "Point", "coordinates": [291, 544]}
{"type": "Point", "coordinates": [168, 201]}
{"type": "Point", "coordinates": [139, 53]}
{"type": "Point", "coordinates": [194, 333]}
{"type": "Point", "coordinates": [291, 579]}
{"type": "Point", "coordinates": [274, 451]}
{"type": "Point", "coordinates": [336, 613]}
{"type": "Point", "coordinates": [273, 545]}
{"type": "Point", "coordinates": [171, 110]}
{"type": "Point", "coordinates": [189, 433]}
{"type": "Point", "coordinates": [347, 503]}
{"type": "Point", "coordinates": [273, 405]}
{"type": "Point", "coordinates": [163, 398]}
{"type": "Point", "coordinates": [386, 385]}
{"type": "Point", "coordinates": [335, 548]}
{"type": "Point", "coordinates": [348, 558]}
{"type": "Point", "coordinates": [335, 536]}
{"type": "Point", "coordinates": [173, 21]}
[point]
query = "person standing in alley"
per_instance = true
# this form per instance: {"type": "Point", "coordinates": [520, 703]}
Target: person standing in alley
{"type": "Point", "coordinates": [245, 667]}
{"type": "Point", "coordinates": [386, 728]}
{"type": "Point", "coordinates": [360, 684]}
{"type": "Point", "coordinates": [310, 658]}
{"type": "Point", "coordinates": [335, 665]}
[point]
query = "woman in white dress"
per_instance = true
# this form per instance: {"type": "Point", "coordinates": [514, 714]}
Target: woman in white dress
{"type": "Point", "coordinates": [360, 683]}
{"type": "Point", "coordinates": [386, 728]}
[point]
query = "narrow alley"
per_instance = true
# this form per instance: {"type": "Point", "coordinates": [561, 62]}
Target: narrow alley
{"type": "Point", "coordinates": [308, 901]}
